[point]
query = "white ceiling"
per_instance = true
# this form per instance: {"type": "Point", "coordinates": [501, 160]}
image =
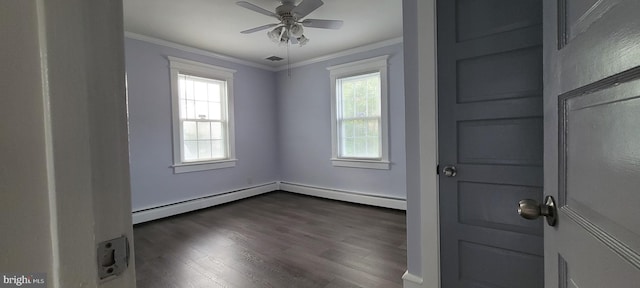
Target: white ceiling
{"type": "Point", "coordinates": [215, 25]}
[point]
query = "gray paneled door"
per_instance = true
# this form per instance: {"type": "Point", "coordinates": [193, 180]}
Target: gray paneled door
{"type": "Point", "coordinates": [592, 142]}
{"type": "Point", "coordinates": [491, 130]}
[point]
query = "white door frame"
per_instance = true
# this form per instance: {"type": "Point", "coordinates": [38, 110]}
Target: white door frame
{"type": "Point", "coordinates": [75, 140]}
{"type": "Point", "coordinates": [424, 241]}
{"type": "Point", "coordinates": [428, 97]}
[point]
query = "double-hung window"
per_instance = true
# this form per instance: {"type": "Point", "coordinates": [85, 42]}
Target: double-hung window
{"type": "Point", "coordinates": [202, 111]}
{"type": "Point", "coordinates": [359, 114]}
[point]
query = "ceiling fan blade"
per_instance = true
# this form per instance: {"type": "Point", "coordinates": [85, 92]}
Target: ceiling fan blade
{"type": "Point", "coordinates": [260, 28]}
{"type": "Point", "coordinates": [258, 9]}
{"type": "Point", "coordinates": [305, 7]}
{"type": "Point", "coordinates": [319, 23]}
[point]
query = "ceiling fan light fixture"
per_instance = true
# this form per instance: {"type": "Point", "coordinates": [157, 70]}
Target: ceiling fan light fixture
{"type": "Point", "coordinates": [284, 40]}
{"type": "Point", "coordinates": [296, 30]}
{"type": "Point", "coordinates": [290, 29]}
{"type": "Point", "coordinates": [283, 35]}
{"type": "Point", "coordinates": [302, 40]}
{"type": "Point", "coordinates": [274, 34]}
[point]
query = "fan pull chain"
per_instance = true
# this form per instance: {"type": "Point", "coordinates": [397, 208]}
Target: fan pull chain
{"type": "Point", "coordinates": [288, 60]}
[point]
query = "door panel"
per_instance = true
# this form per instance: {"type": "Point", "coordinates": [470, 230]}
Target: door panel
{"type": "Point", "coordinates": [475, 271]}
{"type": "Point", "coordinates": [599, 160]}
{"type": "Point", "coordinates": [606, 45]}
{"type": "Point", "coordinates": [510, 146]}
{"type": "Point", "coordinates": [478, 202]}
{"type": "Point", "coordinates": [580, 14]}
{"type": "Point", "coordinates": [592, 144]}
{"type": "Point", "coordinates": [476, 19]}
{"type": "Point", "coordinates": [596, 268]}
{"type": "Point", "coordinates": [491, 129]}
{"type": "Point", "coordinates": [475, 84]}
{"type": "Point", "coordinates": [604, 163]}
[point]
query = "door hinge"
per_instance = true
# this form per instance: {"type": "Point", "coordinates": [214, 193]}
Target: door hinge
{"type": "Point", "coordinates": [438, 169]}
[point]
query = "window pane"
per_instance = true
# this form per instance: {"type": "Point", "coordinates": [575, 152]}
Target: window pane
{"type": "Point", "coordinates": [216, 130]}
{"type": "Point", "coordinates": [214, 92]}
{"type": "Point", "coordinates": [218, 150]}
{"type": "Point", "coordinates": [373, 106]}
{"type": "Point", "coordinates": [190, 149]}
{"type": "Point", "coordinates": [359, 115]}
{"type": "Point", "coordinates": [201, 100]}
{"type": "Point", "coordinates": [360, 95]}
{"type": "Point", "coordinates": [204, 131]}
{"type": "Point", "coordinates": [348, 128]}
{"type": "Point", "coordinates": [181, 83]}
{"type": "Point", "coordinates": [360, 128]}
{"type": "Point", "coordinates": [373, 149]}
{"type": "Point", "coordinates": [360, 99]}
{"type": "Point", "coordinates": [347, 147]}
{"type": "Point", "coordinates": [202, 109]}
{"type": "Point", "coordinates": [360, 138]}
{"type": "Point", "coordinates": [200, 91]}
{"type": "Point", "coordinates": [191, 109]}
{"type": "Point", "coordinates": [360, 148]}
{"type": "Point", "coordinates": [189, 130]}
{"type": "Point", "coordinates": [183, 108]}
{"type": "Point", "coordinates": [188, 86]}
{"type": "Point", "coordinates": [347, 100]}
{"type": "Point", "coordinates": [373, 128]}
{"type": "Point", "coordinates": [373, 85]}
{"type": "Point", "coordinates": [204, 149]}
{"type": "Point", "coordinates": [373, 100]}
{"type": "Point", "coordinates": [215, 111]}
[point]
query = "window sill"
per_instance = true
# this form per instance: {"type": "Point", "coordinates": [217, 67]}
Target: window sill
{"type": "Point", "coordinates": [202, 166]}
{"type": "Point", "coordinates": [361, 163]}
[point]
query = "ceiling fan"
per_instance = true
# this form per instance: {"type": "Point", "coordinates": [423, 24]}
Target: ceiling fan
{"type": "Point", "coordinates": [290, 15]}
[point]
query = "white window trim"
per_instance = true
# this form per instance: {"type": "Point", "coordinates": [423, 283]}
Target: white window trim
{"type": "Point", "coordinates": [371, 65]}
{"type": "Point", "coordinates": [178, 65]}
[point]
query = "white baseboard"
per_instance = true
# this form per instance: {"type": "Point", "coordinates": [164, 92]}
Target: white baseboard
{"type": "Point", "coordinates": [226, 197]}
{"type": "Point", "coordinates": [200, 203]}
{"type": "Point", "coordinates": [343, 195]}
{"type": "Point", "coordinates": [411, 281]}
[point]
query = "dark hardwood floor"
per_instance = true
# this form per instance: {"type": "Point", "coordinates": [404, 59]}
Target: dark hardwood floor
{"type": "Point", "coordinates": [275, 240]}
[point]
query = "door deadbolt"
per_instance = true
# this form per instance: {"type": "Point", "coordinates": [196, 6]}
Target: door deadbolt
{"type": "Point", "coordinates": [450, 171]}
{"type": "Point", "coordinates": [530, 209]}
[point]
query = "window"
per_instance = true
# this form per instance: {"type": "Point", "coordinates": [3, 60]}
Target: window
{"type": "Point", "coordinates": [359, 128]}
{"type": "Point", "coordinates": [202, 111]}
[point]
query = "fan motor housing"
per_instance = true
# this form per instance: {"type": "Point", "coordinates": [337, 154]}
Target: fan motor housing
{"type": "Point", "coordinates": [284, 12]}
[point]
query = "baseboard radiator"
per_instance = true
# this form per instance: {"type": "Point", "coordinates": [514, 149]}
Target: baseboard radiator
{"type": "Point", "coordinates": [343, 195]}
{"type": "Point", "coordinates": [163, 211]}
{"type": "Point", "coordinates": [154, 213]}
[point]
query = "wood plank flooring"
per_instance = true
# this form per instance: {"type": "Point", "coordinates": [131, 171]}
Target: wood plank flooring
{"type": "Point", "coordinates": [275, 240]}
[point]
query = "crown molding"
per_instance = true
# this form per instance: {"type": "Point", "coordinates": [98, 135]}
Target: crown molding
{"type": "Point", "coordinates": [343, 53]}
{"type": "Point", "coordinates": [193, 50]}
{"type": "Point", "coordinates": [207, 53]}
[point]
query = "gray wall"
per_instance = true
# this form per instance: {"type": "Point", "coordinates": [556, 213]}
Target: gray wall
{"type": "Point", "coordinates": [282, 129]}
{"type": "Point", "coordinates": [305, 129]}
{"type": "Point", "coordinates": [152, 180]}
